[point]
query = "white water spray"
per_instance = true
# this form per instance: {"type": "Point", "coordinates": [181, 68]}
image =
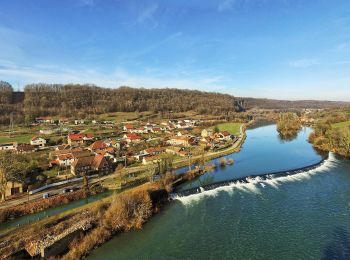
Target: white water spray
{"type": "Point", "coordinates": [254, 184]}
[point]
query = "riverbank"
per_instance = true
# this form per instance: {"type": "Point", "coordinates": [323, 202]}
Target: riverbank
{"type": "Point", "coordinates": [95, 223]}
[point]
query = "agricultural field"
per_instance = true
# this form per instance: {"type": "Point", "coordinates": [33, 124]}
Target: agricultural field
{"type": "Point", "coordinates": [19, 139]}
{"type": "Point", "coordinates": [341, 124]}
{"type": "Point", "coordinates": [232, 128]}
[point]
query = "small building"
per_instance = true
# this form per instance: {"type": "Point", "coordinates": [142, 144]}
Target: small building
{"type": "Point", "coordinates": [8, 146]}
{"type": "Point", "coordinates": [150, 160]}
{"type": "Point", "coordinates": [63, 121]}
{"type": "Point", "coordinates": [207, 132]}
{"type": "Point", "coordinates": [65, 160]}
{"type": "Point", "coordinates": [128, 127]}
{"type": "Point", "coordinates": [132, 138]}
{"type": "Point", "coordinates": [76, 139]}
{"type": "Point", "coordinates": [12, 188]}
{"type": "Point", "coordinates": [181, 140]}
{"type": "Point", "coordinates": [79, 121]}
{"type": "Point", "coordinates": [98, 145]}
{"type": "Point", "coordinates": [44, 120]}
{"type": "Point", "coordinates": [38, 142]}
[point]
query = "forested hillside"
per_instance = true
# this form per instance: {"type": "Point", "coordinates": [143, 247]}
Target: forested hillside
{"type": "Point", "coordinates": [264, 103]}
{"type": "Point", "coordinates": [82, 101]}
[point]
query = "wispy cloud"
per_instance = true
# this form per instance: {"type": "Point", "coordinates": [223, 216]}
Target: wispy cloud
{"type": "Point", "coordinates": [50, 73]}
{"type": "Point", "coordinates": [343, 46]}
{"type": "Point", "coordinates": [225, 5]}
{"type": "Point", "coordinates": [304, 63]}
{"type": "Point", "coordinates": [147, 15]}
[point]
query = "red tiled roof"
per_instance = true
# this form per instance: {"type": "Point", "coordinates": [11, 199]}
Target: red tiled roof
{"type": "Point", "coordinates": [98, 145]}
{"type": "Point", "coordinates": [79, 137]}
{"type": "Point", "coordinates": [133, 136]}
{"type": "Point", "coordinates": [64, 157]}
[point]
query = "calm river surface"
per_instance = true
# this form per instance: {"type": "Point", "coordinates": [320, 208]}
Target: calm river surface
{"type": "Point", "coordinates": [304, 216]}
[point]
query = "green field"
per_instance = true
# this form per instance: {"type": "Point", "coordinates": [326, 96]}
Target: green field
{"type": "Point", "coordinates": [341, 124]}
{"type": "Point", "coordinates": [18, 139]}
{"type": "Point", "coordinates": [232, 128]}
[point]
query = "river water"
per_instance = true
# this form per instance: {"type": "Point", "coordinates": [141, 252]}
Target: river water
{"type": "Point", "coordinates": [304, 216]}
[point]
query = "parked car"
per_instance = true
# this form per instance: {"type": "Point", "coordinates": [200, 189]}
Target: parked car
{"type": "Point", "coordinates": [46, 195]}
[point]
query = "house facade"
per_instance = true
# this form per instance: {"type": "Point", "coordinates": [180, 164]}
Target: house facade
{"type": "Point", "coordinates": [38, 142]}
{"type": "Point", "coordinates": [90, 165]}
{"type": "Point", "coordinates": [8, 146]}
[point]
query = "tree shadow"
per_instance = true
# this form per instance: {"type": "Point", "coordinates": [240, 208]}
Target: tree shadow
{"type": "Point", "coordinates": [339, 247]}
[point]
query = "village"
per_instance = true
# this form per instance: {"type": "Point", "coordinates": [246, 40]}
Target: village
{"type": "Point", "coordinates": [68, 150]}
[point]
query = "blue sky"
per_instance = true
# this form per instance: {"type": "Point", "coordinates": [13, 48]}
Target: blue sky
{"type": "Point", "coordinates": [285, 49]}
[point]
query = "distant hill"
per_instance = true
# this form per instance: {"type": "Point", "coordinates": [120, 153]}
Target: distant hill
{"type": "Point", "coordinates": [85, 101]}
{"type": "Point", "coordinates": [263, 103]}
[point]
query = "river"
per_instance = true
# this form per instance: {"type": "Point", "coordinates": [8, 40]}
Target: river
{"type": "Point", "coordinates": [304, 216]}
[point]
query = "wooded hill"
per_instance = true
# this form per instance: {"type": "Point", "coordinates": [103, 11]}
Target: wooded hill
{"type": "Point", "coordinates": [287, 104]}
{"type": "Point", "coordinates": [82, 101]}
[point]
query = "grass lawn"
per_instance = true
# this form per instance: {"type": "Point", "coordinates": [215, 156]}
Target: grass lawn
{"type": "Point", "coordinates": [341, 124]}
{"type": "Point", "coordinates": [232, 128]}
{"type": "Point", "coordinates": [18, 139]}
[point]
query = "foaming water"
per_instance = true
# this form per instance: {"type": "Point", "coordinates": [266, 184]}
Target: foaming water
{"type": "Point", "coordinates": [256, 185]}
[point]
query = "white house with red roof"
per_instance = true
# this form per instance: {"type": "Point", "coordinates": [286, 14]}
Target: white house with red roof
{"type": "Point", "coordinates": [38, 141]}
{"type": "Point", "coordinates": [132, 138]}
{"type": "Point", "coordinates": [128, 127]}
{"type": "Point", "coordinates": [79, 138]}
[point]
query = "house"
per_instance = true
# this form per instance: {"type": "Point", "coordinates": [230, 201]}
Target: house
{"type": "Point", "coordinates": [25, 148]}
{"type": "Point", "coordinates": [223, 136]}
{"type": "Point", "coordinates": [38, 142]}
{"type": "Point", "coordinates": [8, 146]}
{"type": "Point", "coordinates": [12, 188]}
{"type": "Point", "coordinates": [98, 145]}
{"type": "Point", "coordinates": [140, 130]}
{"type": "Point", "coordinates": [156, 130]}
{"type": "Point", "coordinates": [65, 160]}
{"type": "Point", "coordinates": [182, 140]}
{"type": "Point", "coordinates": [207, 132]}
{"type": "Point", "coordinates": [79, 138]}
{"type": "Point", "coordinates": [150, 159]}
{"type": "Point", "coordinates": [63, 121]}
{"type": "Point", "coordinates": [44, 120]}
{"type": "Point", "coordinates": [128, 127]}
{"type": "Point", "coordinates": [79, 121]}
{"type": "Point", "coordinates": [132, 138]}
{"type": "Point", "coordinates": [89, 165]}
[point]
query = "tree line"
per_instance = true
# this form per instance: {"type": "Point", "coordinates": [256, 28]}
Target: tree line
{"type": "Point", "coordinates": [84, 101]}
